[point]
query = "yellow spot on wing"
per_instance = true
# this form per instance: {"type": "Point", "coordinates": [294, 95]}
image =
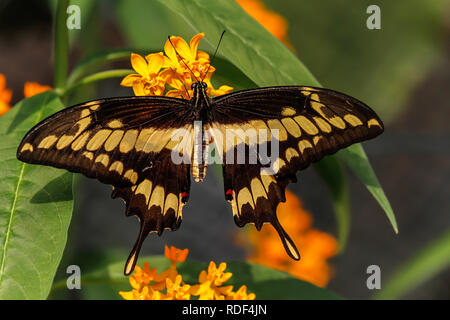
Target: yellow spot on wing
{"type": "Point", "coordinates": [304, 144]}
{"type": "Point", "coordinates": [171, 202]}
{"type": "Point", "coordinates": [113, 140]}
{"type": "Point", "coordinates": [288, 111]}
{"type": "Point", "coordinates": [157, 198]}
{"type": "Point", "coordinates": [145, 188]}
{"type": "Point", "coordinates": [27, 147]}
{"type": "Point", "coordinates": [114, 124]}
{"type": "Point", "coordinates": [143, 137]}
{"type": "Point", "coordinates": [64, 141]}
{"type": "Point", "coordinates": [292, 127]}
{"type": "Point", "coordinates": [128, 141]}
{"type": "Point", "coordinates": [80, 141]}
{"type": "Point", "coordinates": [131, 175]}
{"type": "Point", "coordinates": [276, 125]}
{"type": "Point", "coordinates": [373, 122]}
{"type": "Point", "coordinates": [318, 106]}
{"type": "Point", "coordinates": [267, 180]}
{"type": "Point", "coordinates": [116, 166]}
{"type": "Point", "coordinates": [98, 139]}
{"type": "Point", "coordinates": [306, 125]}
{"type": "Point", "coordinates": [48, 142]}
{"type": "Point", "coordinates": [88, 155]}
{"type": "Point", "coordinates": [291, 153]}
{"type": "Point", "coordinates": [322, 124]}
{"type": "Point", "coordinates": [244, 197]}
{"type": "Point", "coordinates": [103, 159]}
{"type": "Point", "coordinates": [278, 164]}
{"type": "Point", "coordinates": [353, 120]}
{"type": "Point", "coordinates": [257, 189]}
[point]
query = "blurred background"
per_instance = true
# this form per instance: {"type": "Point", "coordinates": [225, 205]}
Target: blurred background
{"type": "Point", "coordinates": [402, 71]}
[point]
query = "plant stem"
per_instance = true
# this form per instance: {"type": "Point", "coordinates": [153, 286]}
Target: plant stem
{"type": "Point", "coordinates": [425, 264]}
{"type": "Point", "coordinates": [61, 45]}
{"type": "Point", "coordinates": [117, 73]}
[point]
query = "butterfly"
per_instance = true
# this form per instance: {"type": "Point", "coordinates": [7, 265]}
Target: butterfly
{"type": "Point", "coordinates": [148, 147]}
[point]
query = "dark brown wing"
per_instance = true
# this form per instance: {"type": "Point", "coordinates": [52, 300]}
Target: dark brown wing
{"type": "Point", "coordinates": [303, 124]}
{"type": "Point", "coordinates": [157, 200]}
{"type": "Point", "coordinates": [128, 143]}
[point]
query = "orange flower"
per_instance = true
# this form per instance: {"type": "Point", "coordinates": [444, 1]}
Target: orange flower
{"type": "Point", "coordinates": [33, 88]}
{"type": "Point", "coordinates": [175, 255]}
{"type": "Point", "coordinates": [315, 247]}
{"type": "Point", "coordinates": [273, 22]}
{"type": "Point", "coordinates": [5, 96]}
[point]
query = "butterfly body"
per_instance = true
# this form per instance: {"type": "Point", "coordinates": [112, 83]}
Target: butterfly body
{"type": "Point", "coordinates": [148, 148]}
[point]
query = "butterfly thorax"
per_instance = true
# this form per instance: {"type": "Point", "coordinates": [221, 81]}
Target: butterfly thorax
{"type": "Point", "coordinates": [201, 104]}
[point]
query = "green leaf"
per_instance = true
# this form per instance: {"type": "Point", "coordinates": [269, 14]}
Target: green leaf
{"type": "Point", "coordinates": [417, 270]}
{"type": "Point", "coordinates": [356, 159]}
{"type": "Point", "coordinates": [331, 171]}
{"type": "Point", "coordinates": [266, 62]}
{"type": "Point", "coordinates": [266, 283]}
{"type": "Point", "coordinates": [35, 207]}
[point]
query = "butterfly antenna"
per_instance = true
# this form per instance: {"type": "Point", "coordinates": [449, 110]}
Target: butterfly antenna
{"type": "Point", "coordinates": [196, 80]}
{"type": "Point", "coordinates": [184, 84]}
{"type": "Point", "coordinates": [214, 55]}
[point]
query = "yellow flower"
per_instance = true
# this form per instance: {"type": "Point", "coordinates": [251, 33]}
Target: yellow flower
{"type": "Point", "coordinates": [148, 80]}
{"type": "Point", "coordinates": [210, 282]}
{"type": "Point", "coordinates": [315, 246]}
{"type": "Point", "coordinates": [5, 96]}
{"type": "Point", "coordinates": [178, 71]}
{"type": "Point", "coordinates": [33, 88]}
{"type": "Point", "coordinates": [176, 290]}
{"type": "Point", "coordinates": [190, 62]}
{"type": "Point", "coordinates": [241, 294]}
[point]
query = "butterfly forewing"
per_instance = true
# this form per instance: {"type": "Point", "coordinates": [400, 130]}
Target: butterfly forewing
{"type": "Point", "coordinates": [275, 132]}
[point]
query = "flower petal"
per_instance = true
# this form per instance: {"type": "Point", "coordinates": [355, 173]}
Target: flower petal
{"type": "Point", "coordinates": [155, 62]}
{"type": "Point", "coordinates": [139, 64]}
{"type": "Point", "coordinates": [194, 43]}
{"type": "Point", "coordinates": [130, 79]}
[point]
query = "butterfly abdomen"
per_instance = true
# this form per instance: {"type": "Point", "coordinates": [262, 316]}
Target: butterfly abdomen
{"type": "Point", "coordinates": [200, 149]}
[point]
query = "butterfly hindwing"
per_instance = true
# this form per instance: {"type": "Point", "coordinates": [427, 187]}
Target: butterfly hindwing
{"type": "Point", "coordinates": [157, 200]}
{"type": "Point", "coordinates": [281, 130]}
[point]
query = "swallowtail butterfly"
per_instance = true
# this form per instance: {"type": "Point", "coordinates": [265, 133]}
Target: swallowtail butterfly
{"type": "Point", "coordinates": [128, 142]}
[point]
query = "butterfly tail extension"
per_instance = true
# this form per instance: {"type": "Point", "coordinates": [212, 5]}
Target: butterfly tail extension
{"type": "Point", "coordinates": [134, 254]}
{"type": "Point", "coordinates": [288, 243]}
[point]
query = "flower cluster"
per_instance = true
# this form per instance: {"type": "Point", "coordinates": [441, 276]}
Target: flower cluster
{"type": "Point", "coordinates": [315, 246]}
{"type": "Point", "coordinates": [178, 68]}
{"type": "Point", "coordinates": [169, 284]}
{"type": "Point", "coordinates": [30, 89]}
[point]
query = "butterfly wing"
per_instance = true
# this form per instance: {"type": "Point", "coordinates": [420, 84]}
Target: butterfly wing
{"type": "Point", "coordinates": [298, 125]}
{"type": "Point", "coordinates": [128, 143]}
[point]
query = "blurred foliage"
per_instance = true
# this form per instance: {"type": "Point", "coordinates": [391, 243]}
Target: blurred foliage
{"type": "Point", "coordinates": [379, 67]}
